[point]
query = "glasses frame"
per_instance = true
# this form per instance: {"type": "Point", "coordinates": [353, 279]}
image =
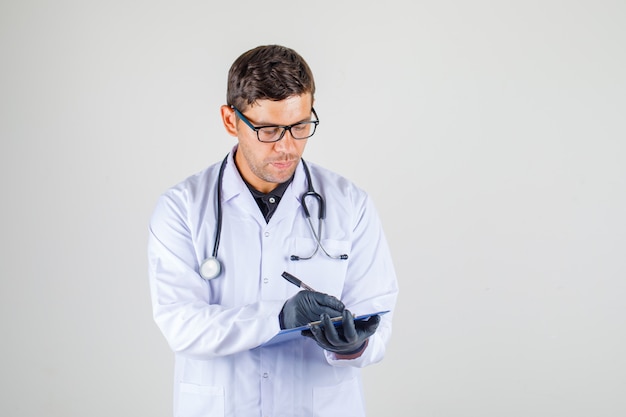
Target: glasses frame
{"type": "Point", "coordinates": [284, 128]}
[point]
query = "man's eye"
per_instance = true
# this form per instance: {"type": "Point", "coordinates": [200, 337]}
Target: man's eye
{"type": "Point", "coordinates": [270, 130]}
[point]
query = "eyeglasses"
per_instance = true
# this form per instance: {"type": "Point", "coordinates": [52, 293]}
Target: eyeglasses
{"type": "Point", "coordinates": [267, 134]}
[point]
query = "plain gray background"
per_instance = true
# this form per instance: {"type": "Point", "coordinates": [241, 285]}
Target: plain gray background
{"type": "Point", "coordinates": [491, 135]}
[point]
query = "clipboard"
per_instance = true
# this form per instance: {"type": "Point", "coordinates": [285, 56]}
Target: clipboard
{"type": "Point", "coordinates": [294, 333]}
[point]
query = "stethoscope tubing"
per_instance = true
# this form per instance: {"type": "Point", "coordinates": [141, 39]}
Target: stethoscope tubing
{"type": "Point", "coordinates": [218, 228]}
{"type": "Point", "coordinates": [211, 267]}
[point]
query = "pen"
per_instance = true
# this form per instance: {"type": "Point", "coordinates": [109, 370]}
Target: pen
{"type": "Point", "coordinates": [295, 281]}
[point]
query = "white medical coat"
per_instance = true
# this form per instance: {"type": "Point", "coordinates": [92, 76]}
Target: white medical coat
{"type": "Point", "coordinates": [216, 328]}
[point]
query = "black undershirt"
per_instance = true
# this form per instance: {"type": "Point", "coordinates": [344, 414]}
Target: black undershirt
{"type": "Point", "coordinates": [268, 202]}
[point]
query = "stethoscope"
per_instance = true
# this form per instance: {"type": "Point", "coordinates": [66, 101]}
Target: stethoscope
{"type": "Point", "coordinates": [211, 267]}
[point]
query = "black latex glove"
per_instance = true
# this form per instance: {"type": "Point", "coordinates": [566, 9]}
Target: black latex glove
{"type": "Point", "coordinates": [346, 339]}
{"type": "Point", "coordinates": [308, 306]}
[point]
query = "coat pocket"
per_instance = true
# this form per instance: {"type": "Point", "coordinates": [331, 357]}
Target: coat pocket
{"type": "Point", "coordinates": [200, 401]}
{"type": "Point", "coordinates": [343, 400]}
{"type": "Point", "coordinates": [322, 272]}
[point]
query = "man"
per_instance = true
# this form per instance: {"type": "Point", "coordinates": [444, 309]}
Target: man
{"type": "Point", "coordinates": [220, 241]}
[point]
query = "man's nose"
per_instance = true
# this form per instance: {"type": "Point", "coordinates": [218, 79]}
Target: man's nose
{"type": "Point", "coordinates": [286, 143]}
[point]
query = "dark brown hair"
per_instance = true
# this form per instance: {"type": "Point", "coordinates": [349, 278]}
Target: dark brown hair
{"type": "Point", "coordinates": [270, 72]}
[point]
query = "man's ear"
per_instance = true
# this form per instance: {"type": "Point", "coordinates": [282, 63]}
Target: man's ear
{"type": "Point", "coordinates": [229, 118]}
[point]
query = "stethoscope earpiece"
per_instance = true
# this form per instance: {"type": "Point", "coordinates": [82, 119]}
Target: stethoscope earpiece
{"type": "Point", "coordinates": [321, 215]}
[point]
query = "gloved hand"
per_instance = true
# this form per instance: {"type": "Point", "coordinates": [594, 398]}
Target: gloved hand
{"type": "Point", "coordinates": [307, 306]}
{"type": "Point", "coordinates": [346, 339]}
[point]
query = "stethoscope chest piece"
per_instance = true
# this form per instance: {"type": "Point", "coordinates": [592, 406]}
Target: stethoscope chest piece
{"type": "Point", "coordinates": [210, 268]}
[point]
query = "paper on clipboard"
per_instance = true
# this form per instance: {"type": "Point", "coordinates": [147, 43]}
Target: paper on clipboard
{"type": "Point", "coordinates": [294, 333]}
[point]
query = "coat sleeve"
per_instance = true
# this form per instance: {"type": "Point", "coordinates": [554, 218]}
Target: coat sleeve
{"type": "Point", "coordinates": [192, 323]}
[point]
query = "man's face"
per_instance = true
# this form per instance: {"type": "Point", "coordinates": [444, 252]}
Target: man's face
{"type": "Point", "coordinates": [265, 165]}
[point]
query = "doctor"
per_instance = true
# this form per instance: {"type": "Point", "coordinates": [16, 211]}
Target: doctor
{"type": "Point", "coordinates": [248, 212]}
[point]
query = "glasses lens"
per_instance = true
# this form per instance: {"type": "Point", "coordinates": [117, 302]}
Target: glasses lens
{"type": "Point", "coordinates": [273, 133]}
{"type": "Point", "coordinates": [270, 134]}
{"type": "Point", "coordinates": [303, 130]}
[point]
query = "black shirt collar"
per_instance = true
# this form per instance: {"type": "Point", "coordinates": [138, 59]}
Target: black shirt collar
{"type": "Point", "coordinates": [268, 202]}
